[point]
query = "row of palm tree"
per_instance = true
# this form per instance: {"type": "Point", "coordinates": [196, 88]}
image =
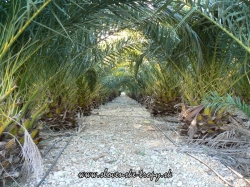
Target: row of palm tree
{"type": "Point", "coordinates": [58, 57]}
{"type": "Point", "coordinates": [52, 66]}
{"type": "Point", "coordinates": [208, 51]}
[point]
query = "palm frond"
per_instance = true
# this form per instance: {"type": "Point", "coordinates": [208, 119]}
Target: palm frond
{"type": "Point", "coordinates": [232, 17]}
{"type": "Point", "coordinates": [218, 102]}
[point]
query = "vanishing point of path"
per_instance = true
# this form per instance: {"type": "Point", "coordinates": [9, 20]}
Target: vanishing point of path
{"type": "Point", "coordinates": [121, 136]}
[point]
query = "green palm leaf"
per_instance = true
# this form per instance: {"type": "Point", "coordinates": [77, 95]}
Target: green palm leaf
{"type": "Point", "coordinates": [218, 102]}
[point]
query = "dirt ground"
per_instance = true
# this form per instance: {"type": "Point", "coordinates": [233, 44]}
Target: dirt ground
{"type": "Point", "coordinates": [122, 137]}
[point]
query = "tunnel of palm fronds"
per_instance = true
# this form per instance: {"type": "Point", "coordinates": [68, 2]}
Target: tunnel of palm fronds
{"type": "Point", "coordinates": [63, 57]}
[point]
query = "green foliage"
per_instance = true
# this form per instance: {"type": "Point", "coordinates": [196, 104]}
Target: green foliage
{"type": "Point", "coordinates": [217, 102]}
{"type": "Point", "coordinates": [91, 78]}
{"type": "Point", "coordinates": [72, 42]}
{"type": "Point", "coordinates": [58, 55]}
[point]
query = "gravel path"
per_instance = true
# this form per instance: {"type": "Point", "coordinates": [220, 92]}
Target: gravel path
{"type": "Point", "coordinates": [121, 136]}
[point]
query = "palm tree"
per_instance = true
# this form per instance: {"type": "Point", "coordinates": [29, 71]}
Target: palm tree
{"type": "Point", "coordinates": [73, 53]}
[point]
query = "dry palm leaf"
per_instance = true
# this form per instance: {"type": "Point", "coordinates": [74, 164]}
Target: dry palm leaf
{"type": "Point", "coordinates": [32, 157]}
{"type": "Point", "coordinates": [192, 129]}
{"type": "Point", "coordinates": [192, 112]}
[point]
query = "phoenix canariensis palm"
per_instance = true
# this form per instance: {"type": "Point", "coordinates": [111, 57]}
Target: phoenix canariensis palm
{"type": "Point", "coordinates": [222, 41]}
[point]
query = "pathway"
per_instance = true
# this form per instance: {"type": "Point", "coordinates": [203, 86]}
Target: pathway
{"type": "Point", "coordinates": [121, 136]}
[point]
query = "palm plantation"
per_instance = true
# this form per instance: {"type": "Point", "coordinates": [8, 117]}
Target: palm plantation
{"type": "Point", "coordinates": [60, 57]}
